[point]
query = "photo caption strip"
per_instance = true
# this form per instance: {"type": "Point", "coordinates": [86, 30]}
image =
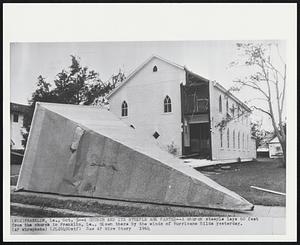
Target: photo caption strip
{"type": "Point", "coordinates": [148, 225]}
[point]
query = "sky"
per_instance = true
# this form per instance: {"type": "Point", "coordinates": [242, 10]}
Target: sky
{"type": "Point", "coordinates": [209, 59]}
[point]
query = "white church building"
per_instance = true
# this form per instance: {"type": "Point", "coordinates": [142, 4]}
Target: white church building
{"type": "Point", "coordinates": [186, 113]}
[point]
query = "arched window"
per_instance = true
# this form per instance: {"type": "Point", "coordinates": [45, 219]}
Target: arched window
{"type": "Point", "coordinates": [247, 146]}
{"type": "Point", "coordinates": [154, 68]}
{"type": "Point", "coordinates": [124, 109]}
{"type": "Point", "coordinates": [228, 143]}
{"type": "Point", "coordinates": [239, 140]}
{"type": "Point", "coordinates": [167, 104]}
{"type": "Point", "coordinates": [221, 138]}
{"type": "Point", "coordinates": [243, 141]}
{"type": "Point", "coordinates": [220, 103]}
{"type": "Point", "coordinates": [233, 138]}
{"type": "Point", "coordinates": [227, 106]}
{"type": "Point", "coordinates": [242, 115]}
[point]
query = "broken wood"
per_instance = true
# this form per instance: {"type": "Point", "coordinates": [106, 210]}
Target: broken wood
{"type": "Point", "coordinates": [262, 189]}
{"type": "Point", "coordinates": [189, 156]}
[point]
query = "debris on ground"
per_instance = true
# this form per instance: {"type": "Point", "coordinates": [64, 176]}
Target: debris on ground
{"type": "Point", "coordinates": [266, 190]}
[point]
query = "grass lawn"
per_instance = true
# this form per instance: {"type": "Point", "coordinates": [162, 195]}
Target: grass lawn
{"type": "Point", "coordinates": [238, 177]}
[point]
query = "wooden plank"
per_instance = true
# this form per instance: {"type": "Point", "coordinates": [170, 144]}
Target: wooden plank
{"type": "Point", "coordinates": [16, 154]}
{"type": "Point", "coordinates": [266, 190]}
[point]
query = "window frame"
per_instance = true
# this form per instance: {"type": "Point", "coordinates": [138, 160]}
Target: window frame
{"type": "Point", "coordinates": [167, 104]}
{"type": "Point", "coordinates": [243, 139]}
{"type": "Point", "coordinates": [247, 142]}
{"type": "Point", "coordinates": [228, 138]}
{"type": "Point", "coordinates": [15, 117]}
{"type": "Point", "coordinates": [221, 139]}
{"type": "Point", "coordinates": [124, 109]}
{"type": "Point", "coordinates": [233, 110]}
{"type": "Point", "coordinates": [220, 104]}
{"type": "Point", "coordinates": [227, 106]}
{"type": "Point", "coordinates": [233, 139]}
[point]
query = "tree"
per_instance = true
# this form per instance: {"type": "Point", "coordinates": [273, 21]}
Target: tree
{"type": "Point", "coordinates": [112, 83]}
{"type": "Point", "coordinates": [258, 133]}
{"type": "Point", "coordinates": [268, 79]}
{"type": "Point", "coordinates": [75, 85]}
{"type": "Point", "coordinates": [42, 94]}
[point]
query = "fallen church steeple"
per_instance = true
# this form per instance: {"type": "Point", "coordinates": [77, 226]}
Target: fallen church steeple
{"type": "Point", "coordinates": [87, 151]}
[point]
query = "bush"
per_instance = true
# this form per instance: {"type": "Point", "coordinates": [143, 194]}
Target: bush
{"type": "Point", "coordinates": [172, 149]}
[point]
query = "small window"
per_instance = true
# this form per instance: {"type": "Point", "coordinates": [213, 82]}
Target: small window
{"type": "Point", "coordinates": [124, 109]}
{"type": "Point", "coordinates": [167, 104]}
{"type": "Point", "coordinates": [278, 148]}
{"type": "Point", "coordinates": [154, 68]}
{"type": "Point", "coordinates": [15, 117]}
{"type": "Point", "coordinates": [156, 135]}
{"type": "Point", "coordinates": [220, 103]}
{"type": "Point", "coordinates": [228, 137]}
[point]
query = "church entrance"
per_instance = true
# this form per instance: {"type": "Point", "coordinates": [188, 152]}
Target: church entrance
{"type": "Point", "coordinates": [200, 139]}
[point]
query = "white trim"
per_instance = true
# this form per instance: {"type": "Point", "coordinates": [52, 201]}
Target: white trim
{"type": "Point", "coordinates": [138, 69]}
{"type": "Point", "coordinates": [167, 113]}
{"type": "Point", "coordinates": [221, 88]}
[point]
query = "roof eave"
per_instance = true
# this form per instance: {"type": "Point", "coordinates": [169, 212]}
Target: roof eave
{"type": "Point", "coordinates": [196, 75]}
{"type": "Point", "coordinates": [219, 86]}
{"type": "Point", "coordinates": [132, 74]}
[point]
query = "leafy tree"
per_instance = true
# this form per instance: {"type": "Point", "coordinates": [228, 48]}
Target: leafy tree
{"type": "Point", "coordinates": [42, 94]}
{"type": "Point", "coordinates": [75, 85]}
{"type": "Point", "coordinates": [267, 78]}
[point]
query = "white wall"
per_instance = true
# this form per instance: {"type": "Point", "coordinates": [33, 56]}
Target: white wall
{"type": "Point", "coordinates": [241, 124]}
{"type": "Point", "coordinates": [145, 93]}
{"type": "Point", "coordinates": [15, 131]}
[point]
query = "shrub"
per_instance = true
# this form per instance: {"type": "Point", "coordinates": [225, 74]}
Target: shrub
{"type": "Point", "coordinates": [172, 149]}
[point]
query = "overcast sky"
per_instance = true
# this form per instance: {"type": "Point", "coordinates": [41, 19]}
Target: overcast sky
{"type": "Point", "coordinates": [209, 59]}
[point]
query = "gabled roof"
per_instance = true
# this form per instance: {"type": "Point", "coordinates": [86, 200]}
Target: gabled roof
{"type": "Point", "coordinates": [217, 85]}
{"type": "Point", "coordinates": [14, 107]}
{"type": "Point", "coordinates": [139, 68]}
{"type": "Point", "coordinates": [274, 140]}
